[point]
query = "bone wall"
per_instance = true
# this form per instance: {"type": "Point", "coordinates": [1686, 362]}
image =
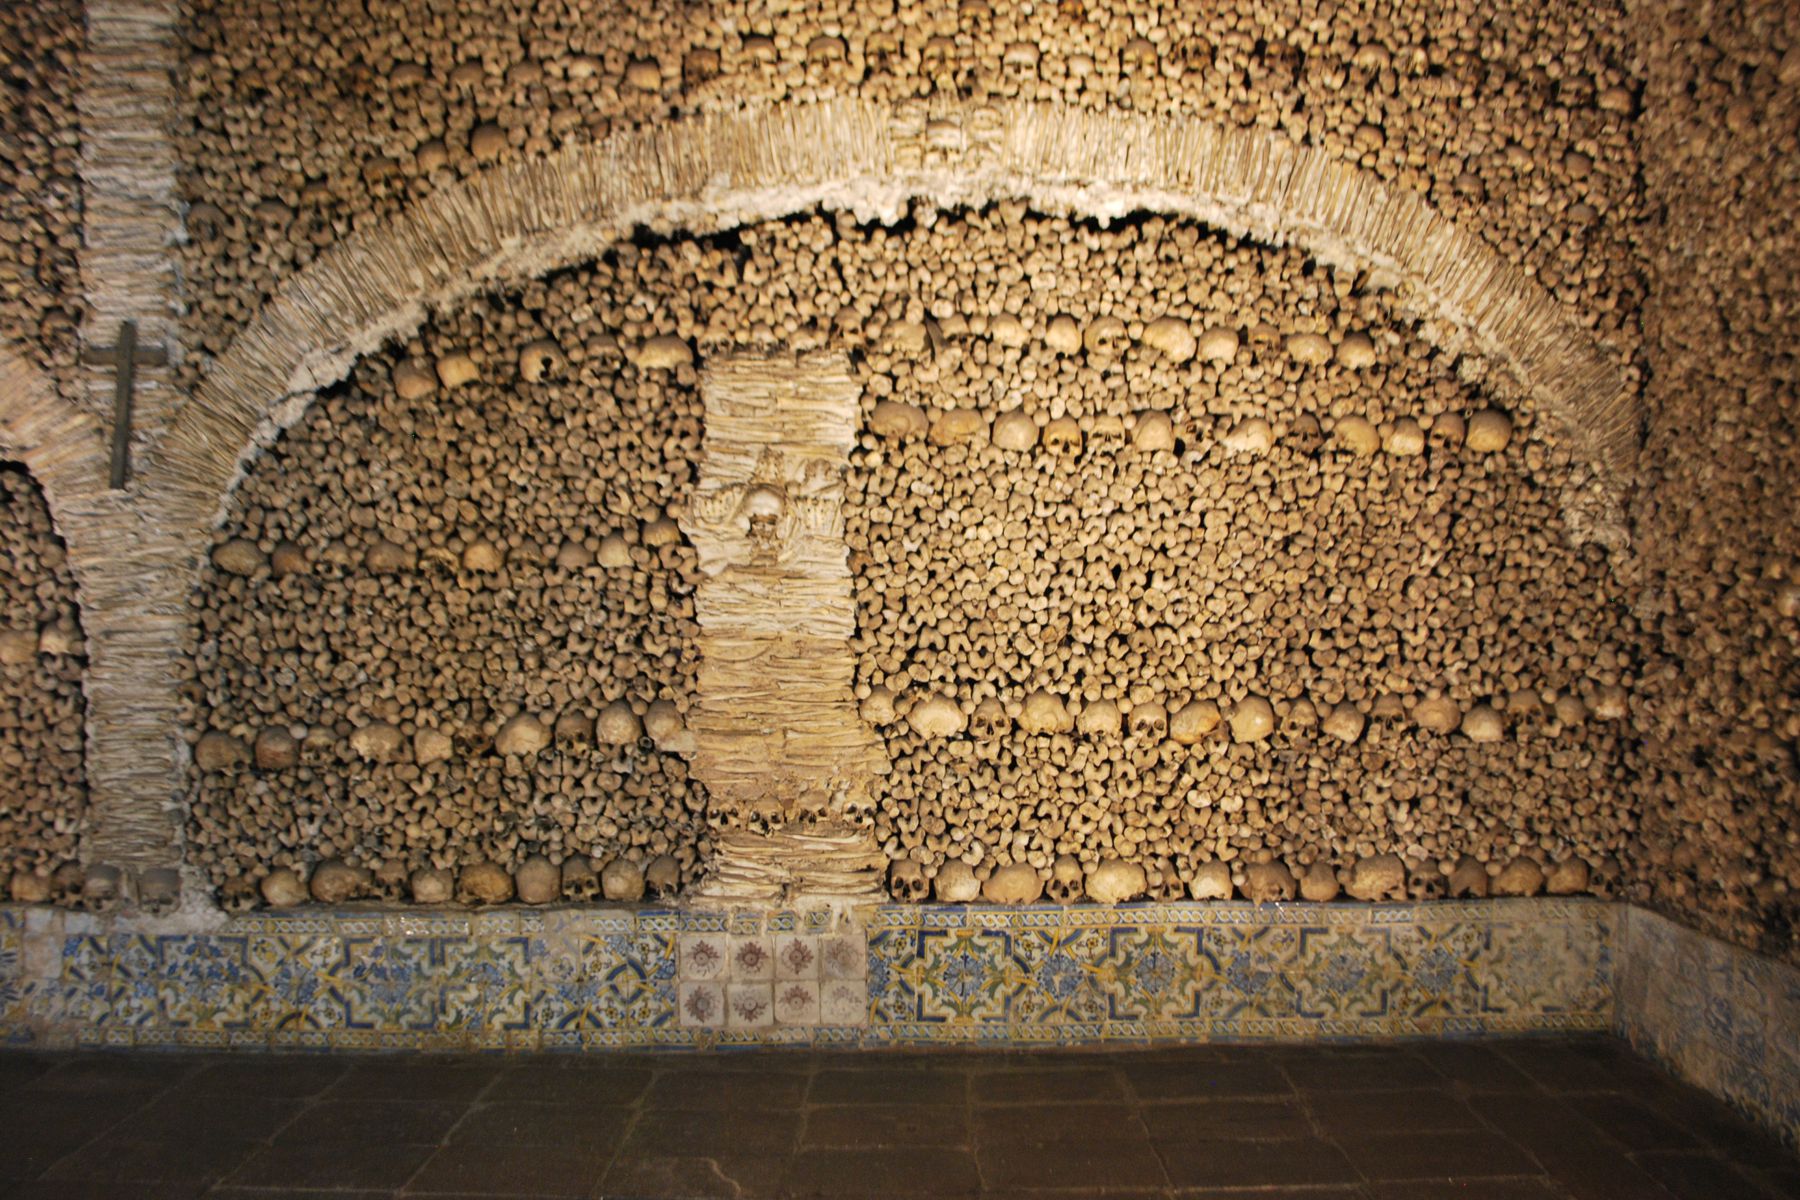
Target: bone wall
{"type": "Point", "coordinates": [1715, 508]}
{"type": "Point", "coordinates": [449, 620]}
{"type": "Point", "coordinates": [42, 786]}
{"type": "Point", "coordinates": [1440, 669]}
{"type": "Point", "coordinates": [307, 122]}
{"type": "Point", "coordinates": [40, 188]}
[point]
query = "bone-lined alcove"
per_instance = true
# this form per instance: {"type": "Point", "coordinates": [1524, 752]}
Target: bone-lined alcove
{"type": "Point", "coordinates": [1170, 563]}
{"type": "Point", "coordinates": [42, 709]}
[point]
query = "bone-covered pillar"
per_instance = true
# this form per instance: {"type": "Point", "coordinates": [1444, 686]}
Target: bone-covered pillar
{"type": "Point", "coordinates": [779, 743]}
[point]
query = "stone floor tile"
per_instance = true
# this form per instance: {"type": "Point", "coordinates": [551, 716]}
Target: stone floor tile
{"type": "Point", "coordinates": [919, 1171]}
{"type": "Point", "coordinates": [416, 1079]}
{"type": "Point", "coordinates": [1475, 1067]}
{"type": "Point", "coordinates": [1363, 1069]}
{"type": "Point", "coordinates": [418, 1122]}
{"type": "Point", "coordinates": [1463, 1153]}
{"type": "Point", "coordinates": [17, 1070]}
{"type": "Point", "coordinates": [1049, 1085]}
{"type": "Point", "coordinates": [1581, 1064]}
{"type": "Point", "coordinates": [1467, 1189]}
{"type": "Point", "coordinates": [516, 1122]}
{"type": "Point", "coordinates": [1354, 1113]}
{"type": "Point", "coordinates": [135, 1189]}
{"type": "Point", "coordinates": [554, 1083]}
{"type": "Point", "coordinates": [1104, 1159]}
{"type": "Point", "coordinates": [1036, 1125]}
{"type": "Point", "coordinates": [505, 1170]}
{"type": "Point", "coordinates": [1632, 1123]}
{"type": "Point", "coordinates": [1249, 1118]}
{"type": "Point", "coordinates": [174, 1114]}
{"type": "Point", "coordinates": [269, 1075]}
{"type": "Point", "coordinates": [371, 1164]}
{"type": "Point", "coordinates": [704, 1087]}
{"type": "Point", "coordinates": [1703, 1177]}
{"type": "Point", "coordinates": [1150, 1078]}
{"type": "Point", "coordinates": [862, 1126]}
{"type": "Point", "coordinates": [89, 1074]}
{"type": "Point", "coordinates": [699, 1133]}
{"type": "Point", "coordinates": [227, 1192]}
{"type": "Point", "coordinates": [196, 1158]}
{"type": "Point", "coordinates": [881, 1084]}
{"type": "Point", "coordinates": [1240, 1163]}
{"type": "Point", "coordinates": [695, 1177]}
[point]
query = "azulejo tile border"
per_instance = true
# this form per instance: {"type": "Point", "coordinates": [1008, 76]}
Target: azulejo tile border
{"type": "Point", "coordinates": [1721, 1017]}
{"type": "Point", "coordinates": [878, 975]}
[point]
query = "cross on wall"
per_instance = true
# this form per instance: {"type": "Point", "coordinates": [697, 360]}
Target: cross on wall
{"type": "Point", "coordinates": [124, 356]}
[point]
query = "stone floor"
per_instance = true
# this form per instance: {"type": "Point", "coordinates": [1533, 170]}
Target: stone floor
{"type": "Point", "coordinates": [1570, 1119]}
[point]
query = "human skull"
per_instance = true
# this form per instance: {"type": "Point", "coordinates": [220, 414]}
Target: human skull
{"type": "Point", "coordinates": [1153, 432]}
{"type": "Point", "coordinates": [540, 360]}
{"type": "Point", "coordinates": [989, 722]}
{"type": "Point", "coordinates": [1149, 722]}
{"type": "Point", "coordinates": [238, 895]}
{"type": "Point", "coordinates": [1139, 59]}
{"type": "Point", "coordinates": [1014, 431]}
{"type": "Point", "coordinates": [159, 889]}
{"type": "Point", "coordinates": [1105, 337]}
{"type": "Point", "coordinates": [1469, 878]}
{"type": "Point", "coordinates": [580, 881]}
{"type": "Point", "coordinates": [66, 884]}
{"type": "Point", "coordinates": [936, 717]}
{"type": "Point", "coordinates": [618, 725]}
{"type": "Point", "coordinates": [1067, 884]}
{"type": "Point", "coordinates": [956, 883]}
{"type": "Point", "coordinates": [1211, 881]}
{"type": "Point", "coordinates": [663, 876]}
{"type": "Point", "coordinates": [1020, 63]}
{"type": "Point", "coordinates": [1099, 720]}
{"type": "Point", "coordinates": [878, 708]}
{"type": "Point", "coordinates": [389, 881]}
{"type": "Point", "coordinates": [1193, 721]}
{"type": "Point", "coordinates": [1106, 434]}
{"type": "Point", "coordinates": [1380, 877]}
{"type": "Point", "coordinates": [1164, 881]}
{"type": "Point", "coordinates": [1251, 436]}
{"type": "Point", "coordinates": [1045, 713]}
{"type": "Point", "coordinates": [667, 729]}
{"type": "Point", "coordinates": [1267, 883]}
{"type": "Point", "coordinates": [103, 888]}
{"type": "Point", "coordinates": [858, 808]}
{"type": "Point", "coordinates": [1062, 438]}
{"type": "Point", "coordinates": [907, 882]}
{"type": "Point", "coordinates": [898, 420]}
{"type": "Point", "coordinates": [1063, 335]}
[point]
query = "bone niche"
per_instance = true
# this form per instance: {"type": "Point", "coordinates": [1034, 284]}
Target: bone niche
{"type": "Point", "coordinates": [479, 650]}
{"type": "Point", "coordinates": [1139, 623]}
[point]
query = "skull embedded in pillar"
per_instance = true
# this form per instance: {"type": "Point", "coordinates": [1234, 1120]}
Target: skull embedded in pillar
{"type": "Point", "coordinates": [1019, 64]}
{"type": "Point", "coordinates": [762, 508]}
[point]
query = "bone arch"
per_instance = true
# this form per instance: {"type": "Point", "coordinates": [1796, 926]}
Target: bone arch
{"type": "Point", "coordinates": [714, 172]}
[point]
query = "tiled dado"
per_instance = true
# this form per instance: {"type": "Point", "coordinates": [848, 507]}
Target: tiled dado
{"type": "Point", "coordinates": [876, 975]}
{"type": "Point", "coordinates": [1719, 1016]}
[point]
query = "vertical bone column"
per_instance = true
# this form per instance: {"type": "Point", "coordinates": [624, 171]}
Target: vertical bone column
{"type": "Point", "coordinates": [778, 739]}
{"type": "Point", "coordinates": [132, 567]}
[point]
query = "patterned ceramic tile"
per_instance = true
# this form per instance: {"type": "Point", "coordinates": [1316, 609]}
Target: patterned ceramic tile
{"type": "Point", "coordinates": [1720, 1016]}
{"type": "Point", "coordinates": [610, 977]}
